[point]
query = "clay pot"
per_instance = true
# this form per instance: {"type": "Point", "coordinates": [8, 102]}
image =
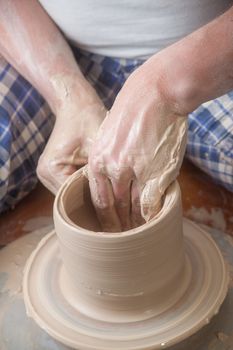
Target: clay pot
{"type": "Point", "coordinates": [125, 276]}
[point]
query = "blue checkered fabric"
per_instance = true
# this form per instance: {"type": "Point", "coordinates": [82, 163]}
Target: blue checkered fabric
{"type": "Point", "coordinates": [106, 74]}
{"type": "Point", "coordinates": [26, 122]}
{"type": "Point", "coordinates": [210, 139]}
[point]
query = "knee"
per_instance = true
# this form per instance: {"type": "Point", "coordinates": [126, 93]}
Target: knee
{"type": "Point", "coordinates": [212, 159]}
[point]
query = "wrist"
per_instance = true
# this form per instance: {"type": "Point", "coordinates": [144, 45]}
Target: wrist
{"type": "Point", "coordinates": [177, 83]}
{"type": "Point", "coordinates": [71, 90]}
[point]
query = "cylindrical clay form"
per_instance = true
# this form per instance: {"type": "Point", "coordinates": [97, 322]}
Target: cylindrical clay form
{"type": "Point", "coordinates": [125, 276]}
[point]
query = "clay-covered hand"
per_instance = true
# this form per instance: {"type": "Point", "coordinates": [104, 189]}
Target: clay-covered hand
{"type": "Point", "coordinates": [79, 113]}
{"type": "Point", "coordinates": [137, 153]}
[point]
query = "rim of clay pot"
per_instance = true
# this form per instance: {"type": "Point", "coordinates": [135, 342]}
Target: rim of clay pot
{"type": "Point", "coordinates": [171, 198]}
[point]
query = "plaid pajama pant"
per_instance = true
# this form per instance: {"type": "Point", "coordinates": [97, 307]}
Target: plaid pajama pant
{"type": "Point", "coordinates": [26, 122]}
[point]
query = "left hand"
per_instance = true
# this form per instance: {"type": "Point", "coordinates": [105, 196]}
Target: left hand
{"type": "Point", "coordinates": [138, 152]}
{"type": "Point", "coordinates": [78, 117]}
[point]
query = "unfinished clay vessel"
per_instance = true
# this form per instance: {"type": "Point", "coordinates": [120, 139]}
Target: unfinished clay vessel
{"type": "Point", "coordinates": [142, 289]}
{"type": "Point", "coordinates": [121, 276]}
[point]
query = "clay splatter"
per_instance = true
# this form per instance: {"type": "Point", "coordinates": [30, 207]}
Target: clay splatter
{"type": "Point", "coordinates": [214, 217]}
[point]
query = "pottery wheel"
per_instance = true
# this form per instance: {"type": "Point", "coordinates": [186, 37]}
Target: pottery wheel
{"type": "Point", "coordinates": [47, 304]}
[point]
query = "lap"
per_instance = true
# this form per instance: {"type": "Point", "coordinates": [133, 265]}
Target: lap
{"type": "Point", "coordinates": [210, 139]}
{"type": "Point", "coordinates": [25, 124]}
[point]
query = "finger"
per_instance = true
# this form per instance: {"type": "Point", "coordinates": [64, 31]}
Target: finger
{"type": "Point", "coordinates": [151, 200]}
{"type": "Point", "coordinates": [79, 157]}
{"type": "Point", "coordinates": [136, 217]}
{"type": "Point", "coordinates": [75, 159]}
{"type": "Point", "coordinates": [121, 192]}
{"type": "Point", "coordinates": [103, 201]}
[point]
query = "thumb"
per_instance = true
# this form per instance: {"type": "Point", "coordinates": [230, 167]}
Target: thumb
{"type": "Point", "coordinates": [150, 199]}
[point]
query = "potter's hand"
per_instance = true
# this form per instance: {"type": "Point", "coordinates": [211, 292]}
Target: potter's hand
{"type": "Point", "coordinates": [78, 116]}
{"type": "Point", "coordinates": [42, 55]}
{"type": "Point", "coordinates": [137, 153]}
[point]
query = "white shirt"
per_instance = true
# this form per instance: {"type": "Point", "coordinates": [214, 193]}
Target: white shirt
{"type": "Point", "coordinates": [130, 28]}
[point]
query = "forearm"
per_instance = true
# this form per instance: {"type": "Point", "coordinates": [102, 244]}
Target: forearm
{"type": "Point", "coordinates": [199, 67]}
{"type": "Point", "coordinates": [32, 43]}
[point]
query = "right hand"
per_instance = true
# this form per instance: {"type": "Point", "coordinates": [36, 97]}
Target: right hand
{"type": "Point", "coordinates": [137, 153]}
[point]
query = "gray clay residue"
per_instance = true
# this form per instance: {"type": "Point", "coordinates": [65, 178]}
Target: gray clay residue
{"type": "Point", "coordinates": [18, 332]}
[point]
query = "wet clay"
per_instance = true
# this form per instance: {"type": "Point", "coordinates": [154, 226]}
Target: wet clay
{"type": "Point", "coordinates": [145, 288]}
{"type": "Point", "coordinates": [83, 214]}
{"type": "Point", "coordinates": [119, 276]}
